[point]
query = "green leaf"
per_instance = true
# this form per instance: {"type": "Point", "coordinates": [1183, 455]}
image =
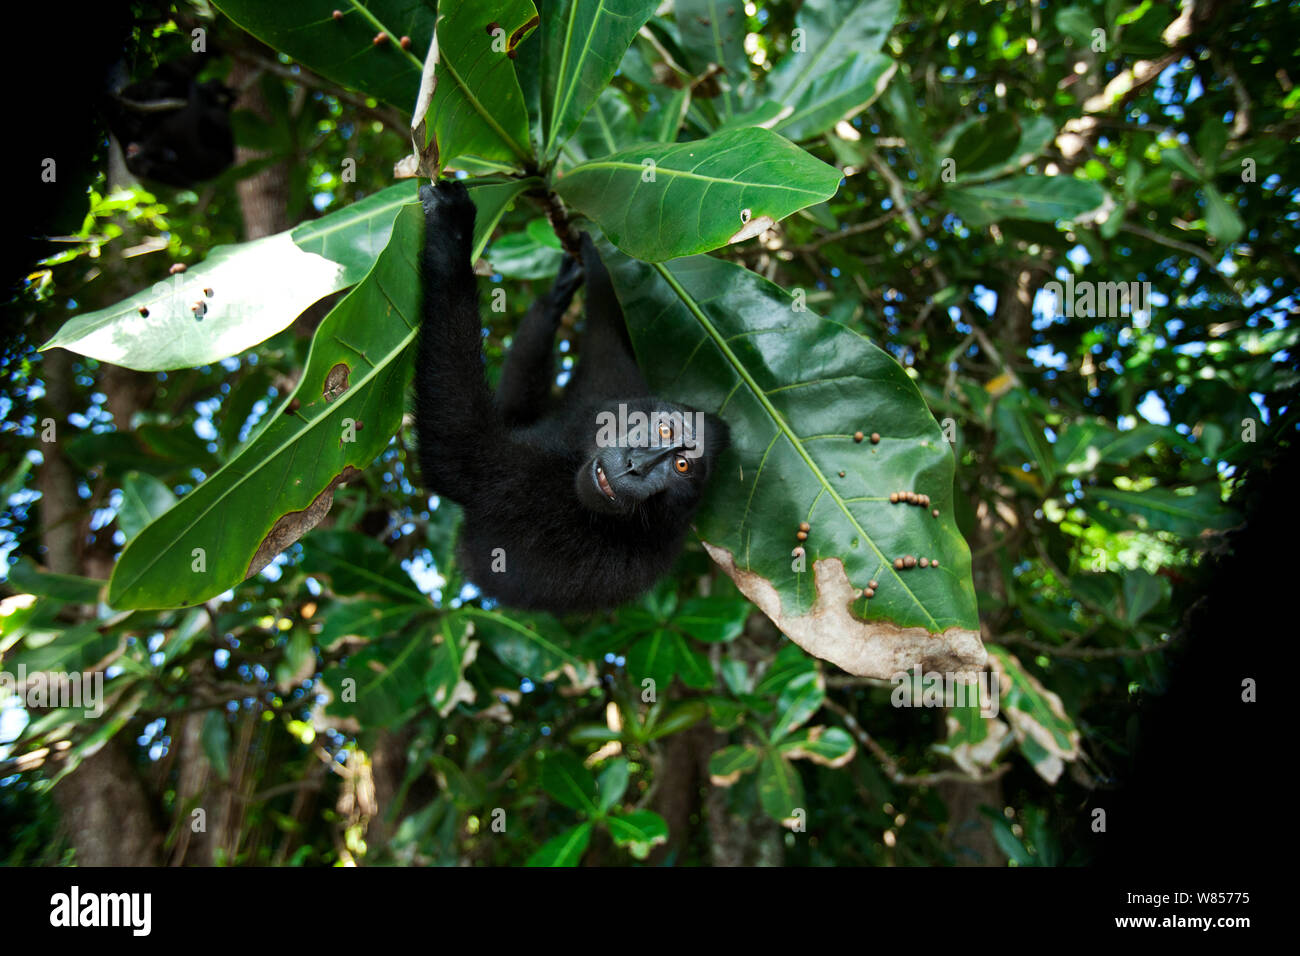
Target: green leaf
{"type": "Point", "coordinates": [517, 255]}
{"type": "Point", "coordinates": [1035, 198]}
{"type": "Point", "coordinates": [1019, 432]}
{"type": "Point", "coordinates": [837, 96]}
{"type": "Point", "coordinates": [250, 301]}
{"type": "Point", "coordinates": [612, 783]}
{"type": "Point", "coordinates": [713, 31]}
{"type": "Point", "coordinates": [583, 42]}
{"type": "Point", "coordinates": [664, 118]}
{"type": "Point", "coordinates": [143, 499]}
{"type": "Point", "coordinates": [794, 388]}
{"type": "Point", "coordinates": [609, 124]}
{"type": "Point", "coordinates": [445, 682]}
{"type": "Point", "coordinates": [1165, 509]}
{"type": "Point", "coordinates": [344, 50]}
{"type": "Point", "coordinates": [660, 201]}
{"type": "Point", "coordinates": [832, 33]}
{"type": "Point", "coordinates": [66, 650]}
{"type": "Point", "coordinates": [382, 685]}
{"type": "Point", "coordinates": [478, 107]}
{"type": "Point", "coordinates": [683, 715]}
{"type": "Point", "coordinates": [568, 781]}
{"type": "Point", "coordinates": [727, 765]}
{"type": "Point", "coordinates": [639, 831]}
{"type": "Point", "coordinates": [828, 746]}
{"type": "Point", "coordinates": [714, 620]}
{"type": "Point", "coordinates": [67, 588]}
{"type": "Point", "coordinates": [654, 657]}
{"type": "Point", "coordinates": [780, 790]}
{"type": "Point", "coordinates": [347, 405]}
{"type": "Point", "coordinates": [532, 645]}
{"type": "Point", "coordinates": [1221, 217]}
{"type": "Point", "coordinates": [801, 698]}
{"type": "Point", "coordinates": [565, 849]}
{"type": "Point", "coordinates": [1142, 592]}
{"type": "Point", "coordinates": [355, 563]}
{"type": "Point", "coordinates": [1033, 135]}
{"type": "Point", "coordinates": [1045, 733]}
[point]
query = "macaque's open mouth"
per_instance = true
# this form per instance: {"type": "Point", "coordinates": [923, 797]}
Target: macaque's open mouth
{"type": "Point", "coordinates": [603, 483]}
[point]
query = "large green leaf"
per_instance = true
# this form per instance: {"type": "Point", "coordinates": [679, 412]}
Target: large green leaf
{"type": "Point", "coordinates": [639, 831]}
{"type": "Point", "coordinates": [583, 42]}
{"type": "Point", "coordinates": [568, 781]}
{"type": "Point", "coordinates": [1046, 734]}
{"type": "Point", "coordinates": [831, 33]}
{"type": "Point", "coordinates": [346, 407]}
{"type": "Point", "coordinates": [381, 685]}
{"type": "Point", "coordinates": [660, 201]}
{"type": "Point", "coordinates": [1036, 198]}
{"type": "Point", "coordinates": [565, 849]}
{"type": "Point", "coordinates": [608, 125]}
{"type": "Point", "coordinates": [795, 388]}
{"type": "Point", "coordinates": [834, 96]}
{"type": "Point", "coordinates": [1166, 509]}
{"type": "Point", "coordinates": [713, 31]}
{"type": "Point", "coordinates": [779, 788]}
{"type": "Point", "coordinates": [250, 301]}
{"type": "Point", "coordinates": [478, 108]}
{"type": "Point", "coordinates": [344, 49]}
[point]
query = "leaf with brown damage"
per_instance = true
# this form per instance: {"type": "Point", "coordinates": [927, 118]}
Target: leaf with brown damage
{"type": "Point", "coordinates": [849, 545]}
{"type": "Point", "coordinates": [829, 629]}
{"type": "Point", "coordinates": [292, 526]}
{"type": "Point", "coordinates": [282, 481]}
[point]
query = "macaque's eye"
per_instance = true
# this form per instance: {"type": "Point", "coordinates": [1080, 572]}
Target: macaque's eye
{"type": "Point", "coordinates": [682, 464]}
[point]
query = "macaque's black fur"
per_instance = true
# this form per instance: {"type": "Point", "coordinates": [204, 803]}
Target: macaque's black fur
{"type": "Point", "coordinates": [579, 527]}
{"type": "Point", "coordinates": [172, 129]}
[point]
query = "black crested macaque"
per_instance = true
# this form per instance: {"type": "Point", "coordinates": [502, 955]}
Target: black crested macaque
{"type": "Point", "coordinates": [174, 130]}
{"type": "Point", "coordinates": [570, 504]}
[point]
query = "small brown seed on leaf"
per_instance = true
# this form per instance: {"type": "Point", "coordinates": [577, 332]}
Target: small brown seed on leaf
{"type": "Point", "coordinates": [873, 585]}
{"type": "Point", "coordinates": [381, 39]}
{"type": "Point", "coordinates": [909, 561]}
{"type": "Point", "coordinates": [925, 562]}
{"type": "Point", "coordinates": [802, 535]}
{"type": "Point", "coordinates": [875, 438]}
{"type": "Point", "coordinates": [405, 42]}
{"type": "Point", "coordinates": [898, 564]}
{"type": "Point", "coordinates": [893, 497]}
{"type": "Point", "coordinates": [935, 512]}
{"type": "Point", "coordinates": [804, 526]}
{"type": "Point", "coordinates": [858, 436]}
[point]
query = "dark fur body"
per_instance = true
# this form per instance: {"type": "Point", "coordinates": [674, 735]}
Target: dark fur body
{"type": "Point", "coordinates": [172, 129]}
{"type": "Point", "coordinates": [516, 462]}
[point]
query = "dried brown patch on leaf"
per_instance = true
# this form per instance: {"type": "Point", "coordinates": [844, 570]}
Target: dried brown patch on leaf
{"type": "Point", "coordinates": [295, 524]}
{"type": "Point", "coordinates": [751, 227]}
{"type": "Point", "coordinates": [977, 757]}
{"type": "Point", "coordinates": [829, 630]}
{"type": "Point", "coordinates": [1025, 725]}
{"type": "Point", "coordinates": [814, 735]}
{"type": "Point", "coordinates": [336, 382]}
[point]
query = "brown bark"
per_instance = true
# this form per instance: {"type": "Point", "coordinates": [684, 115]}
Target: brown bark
{"type": "Point", "coordinates": [104, 807]}
{"type": "Point", "coordinates": [263, 197]}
